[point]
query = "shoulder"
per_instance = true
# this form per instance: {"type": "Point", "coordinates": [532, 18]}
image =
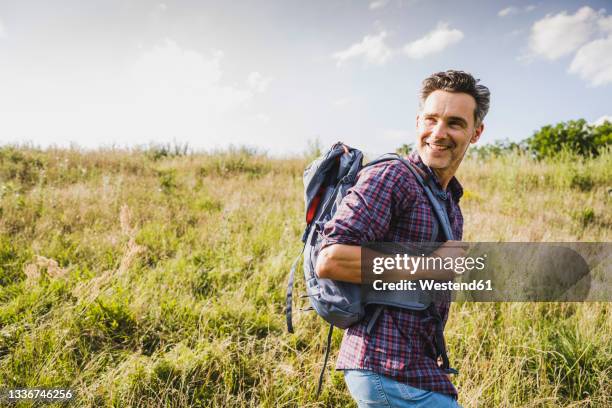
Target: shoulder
{"type": "Point", "coordinates": [393, 173]}
{"type": "Point", "coordinates": [392, 176]}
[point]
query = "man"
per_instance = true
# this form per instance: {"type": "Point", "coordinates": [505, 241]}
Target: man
{"type": "Point", "coordinates": [393, 366]}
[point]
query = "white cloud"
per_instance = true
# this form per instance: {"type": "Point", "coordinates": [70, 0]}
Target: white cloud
{"type": "Point", "coordinates": [512, 10]}
{"type": "Point", "coordinates": [257, 82]}
{"type": "Point", "coordinates": [171, 76]}
{"type": "Point", "coordinates": [433, 42]}
{"type": "Point", "coordinates": [342, 102]}
{"type": "Point", "coordinates": [508, 11]}
{"type": "Point", "coordinates": [158, 11]}
{"type": "Point", "coordinates": [602, 119]}
{"type": "Point", "coordinates": [378, 4]}
{"type": "Point", "coordinates": [587, 34]}
{"type": "Point", "coordinates": [605, 24]}
{"type": "Point", "coordinates": [170, 65]}
{"type": "Point", "coordinates": [516, 32]}
{"type": "Point", "coordinates": [593, 62]}
{"type": "Point", "coordinates": [163, 92]}
{"type": "Point", "coordinates": [262, 118]}
{"type": "Point", "coordinates": [558, 35]}
{"type": "Point", "coordinates": [372, 49]}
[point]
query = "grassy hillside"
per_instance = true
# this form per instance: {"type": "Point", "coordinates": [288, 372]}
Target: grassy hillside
{"type": "Point", "coordinates": [144, 279]}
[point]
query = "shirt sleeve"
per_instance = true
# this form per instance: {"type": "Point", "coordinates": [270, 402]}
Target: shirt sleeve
{"type": "Point", "coordinates": [365, 213]}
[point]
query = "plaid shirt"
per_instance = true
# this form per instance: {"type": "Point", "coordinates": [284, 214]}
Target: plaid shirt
{"type": "Point", "coordinates": [387, 204]}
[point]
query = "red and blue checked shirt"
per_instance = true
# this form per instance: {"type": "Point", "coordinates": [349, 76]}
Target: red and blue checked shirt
{"type": "Point", "coordinates": [387, 204]}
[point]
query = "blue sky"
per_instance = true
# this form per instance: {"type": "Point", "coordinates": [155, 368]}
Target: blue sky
{"type": "Point", "coordinates": [275, 74]}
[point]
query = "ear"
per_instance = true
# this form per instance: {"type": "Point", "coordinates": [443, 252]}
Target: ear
{"type": "Point", "coordinates": [417, 121]}
{"type": "Point", "coordinates": [477, 132]}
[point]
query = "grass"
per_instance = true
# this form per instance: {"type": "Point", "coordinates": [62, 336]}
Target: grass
{"type": "Point", "coordinates": [142, 278]}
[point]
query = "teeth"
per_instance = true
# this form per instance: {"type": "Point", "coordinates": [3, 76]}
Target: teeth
{"type": "Point", "coordinates": [437, 147]}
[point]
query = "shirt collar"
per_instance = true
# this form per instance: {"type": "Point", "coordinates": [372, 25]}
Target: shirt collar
{"type": "Point", "coordinates": [454, 187]}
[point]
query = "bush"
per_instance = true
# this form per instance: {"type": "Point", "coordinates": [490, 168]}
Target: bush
{"type": "Point", "coordinates": [576, 136]}
{"type": "Point", "coordinates": [496, 149]}
{"type": "Point", "coordinates": [582, 182]}
{"type": "Point", "coordinates": [157, 152]}
{"type": "Point", "coordinates": [22, 166]}
{"type": "Point", "coordinates": [405, 149]}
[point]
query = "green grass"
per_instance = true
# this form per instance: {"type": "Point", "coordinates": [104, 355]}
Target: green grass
{"type": "Point", "coordinates": [170, 270]}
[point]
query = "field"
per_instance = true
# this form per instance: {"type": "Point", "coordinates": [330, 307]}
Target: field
{"type": "Point", "coordinates": [156, 278]}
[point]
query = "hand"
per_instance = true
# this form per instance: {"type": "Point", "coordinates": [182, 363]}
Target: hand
{"type": "Point", "coordinates": [451, 249]}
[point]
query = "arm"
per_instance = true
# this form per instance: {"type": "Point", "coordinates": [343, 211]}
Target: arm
{"type": "Point", "coordinates": [363, 216]}
{"type": "Point", "coordinates": [343, 263]}
{"type": "Point", "coordinates": [340, 262]}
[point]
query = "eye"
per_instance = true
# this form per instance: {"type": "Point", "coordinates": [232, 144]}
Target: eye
{"type": "Point", "coordinates": [456, 125]}
{"type": "Point", "coordinates": [430, 121]}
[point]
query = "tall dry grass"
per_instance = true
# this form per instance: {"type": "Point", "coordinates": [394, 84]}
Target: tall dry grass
{"type": "Point", "coordinates": [142, 279]}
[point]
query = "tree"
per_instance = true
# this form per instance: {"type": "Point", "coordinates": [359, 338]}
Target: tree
{"type": "Point", "coordinates": [602, 134]}
{"type": "Point", "coordinates": [405, 149]}
{"type": "Point", "coordinates": [574, 135]}
{"type": "Point", "coordinates": [496, 149]}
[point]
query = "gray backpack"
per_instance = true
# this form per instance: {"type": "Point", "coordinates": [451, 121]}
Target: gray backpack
{"type": "Point", "coordinates": [342, 304]}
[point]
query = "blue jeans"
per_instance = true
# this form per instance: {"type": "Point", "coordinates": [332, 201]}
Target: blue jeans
{"type": "Point", "coordinates": [372, 390]}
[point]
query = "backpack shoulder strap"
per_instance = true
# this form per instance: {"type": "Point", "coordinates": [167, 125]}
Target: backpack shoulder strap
{"type": "Point", "coordinates": [440, 210]}
{"type": "Point", "coordinates": [384, 158]}
{"type": "Point", "coordinates": [429, 187]}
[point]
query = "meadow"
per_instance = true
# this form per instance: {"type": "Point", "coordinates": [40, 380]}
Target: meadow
{"type": "Point", "coordinates": [156, 278]}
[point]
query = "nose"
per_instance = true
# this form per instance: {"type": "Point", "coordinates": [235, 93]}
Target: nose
{"type": "Point", "coordinates": [438, 131]}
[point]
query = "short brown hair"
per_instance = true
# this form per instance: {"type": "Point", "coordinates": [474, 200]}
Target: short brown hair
{"type": "Point", "coordinates": [458, 81]}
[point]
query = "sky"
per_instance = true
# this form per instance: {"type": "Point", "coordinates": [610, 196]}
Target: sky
{"type": "Point", "coordinates": [278, 75]}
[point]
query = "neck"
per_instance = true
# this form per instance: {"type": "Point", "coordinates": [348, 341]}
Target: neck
{"type": "Point", "coordinates": [444, 176]}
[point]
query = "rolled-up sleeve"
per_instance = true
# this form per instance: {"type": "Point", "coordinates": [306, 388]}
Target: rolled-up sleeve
{"type": "Point", "coordinates": [365, 212]}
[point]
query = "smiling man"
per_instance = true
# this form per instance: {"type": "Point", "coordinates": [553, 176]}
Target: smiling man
{"type": "Point", "coordinates": [396, 364]}
{"type": "Point", "coordinates": [453, 107]}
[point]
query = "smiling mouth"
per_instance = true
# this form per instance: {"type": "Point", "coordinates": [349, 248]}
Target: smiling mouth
{"type": "Point", "coordinates": [437, 147]}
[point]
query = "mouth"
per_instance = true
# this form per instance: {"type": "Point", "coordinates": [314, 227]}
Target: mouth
{"type": "Point", "coordinates": [437, 147]}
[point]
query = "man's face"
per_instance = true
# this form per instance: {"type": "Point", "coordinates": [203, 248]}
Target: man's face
{"type": "Point", "coordinates": [445, 129]}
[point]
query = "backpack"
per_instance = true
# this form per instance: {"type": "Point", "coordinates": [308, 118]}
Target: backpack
{"type": "Point", "coordinates": [342, 304]}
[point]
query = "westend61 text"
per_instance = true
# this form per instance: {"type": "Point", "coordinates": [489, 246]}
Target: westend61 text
{"type": "Point", "coordinates": [413, 263]}
{"type": "Point", "coordinates": [430, 284]}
